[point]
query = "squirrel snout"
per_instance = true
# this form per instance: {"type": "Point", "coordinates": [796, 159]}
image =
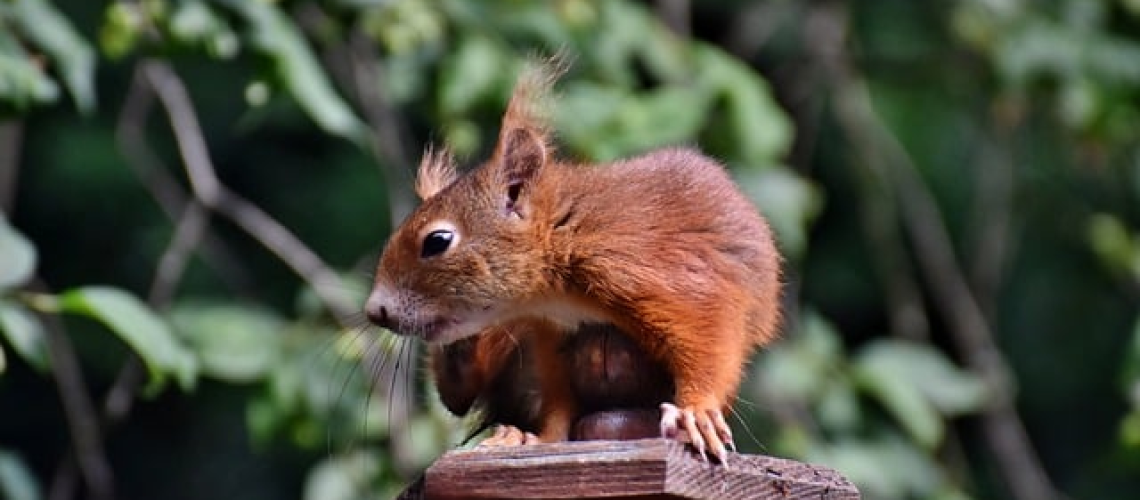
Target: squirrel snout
{"type": "Point", "coordinates": [378, 309]}
{"type": "Point", "coordinates": [378, 315]}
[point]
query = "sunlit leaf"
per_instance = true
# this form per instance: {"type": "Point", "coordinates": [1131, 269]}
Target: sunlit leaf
{"type": "Point", "coordinates": [878, 377]}
{"type": "Point", "coordinates": [918, 385]}
{"type": "Point", "coordinates": [194, 22]}
{"type": "Point", "coordinates": [69, 53]}
{"type": "Point", "coordinates": [802, 367]}
{"type": "Point", "coordinates": [122, 28]}
{"type": "Point", "coordinates": [887, 467]}
{"type": "Point", "coordinates": [232, 343]}
{"type": "Point", "coordinates": [607, 123]}
{"type": "Point", "coordinates": [952, 390]}
{"type": "Point", "coordinates": [1130, 430]}
{"type": "Point", "coordinates": [16, 480]}
{"type": "Point", "coordinates": [25, 334]}
{"type": "Point", "coordinates": [473, 72]}
{"type": "Point", "coordinates": [22, 83]}
{"type": "Point", "coordinates": [1131, 367]}
{"type": "Point", "coordinates": [17, 254]}
{"type": "Point", "coordinates": [758, 134]}
{"type": "Point", "coordinates": [838, 408]}
{"type": "Point", "coordinates": [139, 327]}
{"type": "Point", "coordinates": [1116, 247]}
{"type": "Point", "coordinates": [275, 36]}
{"type": "Point", "coordinates": [343, 477]}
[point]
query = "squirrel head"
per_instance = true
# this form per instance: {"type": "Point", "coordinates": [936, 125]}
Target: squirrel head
{"type": "Point", "coordinates": [473, 249]}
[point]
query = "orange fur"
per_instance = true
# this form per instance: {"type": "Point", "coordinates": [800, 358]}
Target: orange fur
{"type": "Point", "coordinates": [662, 245]}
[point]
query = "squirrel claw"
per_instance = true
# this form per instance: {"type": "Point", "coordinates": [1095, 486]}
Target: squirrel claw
{"type": "Point", "coordinates": [509, 435]}
{"type": "Point", "coordinates": [705, 429]}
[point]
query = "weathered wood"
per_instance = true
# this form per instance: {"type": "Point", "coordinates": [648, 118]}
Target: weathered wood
{"type": "Point", "coordinates": [641, 469]}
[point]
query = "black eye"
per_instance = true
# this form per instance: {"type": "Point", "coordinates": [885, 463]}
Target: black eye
{"type": "Point", "coordinates": [437, 242]}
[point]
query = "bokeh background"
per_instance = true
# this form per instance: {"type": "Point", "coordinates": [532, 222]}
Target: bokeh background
{"type": "Point", "coordinates": [194, 193]}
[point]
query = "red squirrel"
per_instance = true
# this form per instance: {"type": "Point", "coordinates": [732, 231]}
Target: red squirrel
{"type": "Point", "coordinates": [528, 247]}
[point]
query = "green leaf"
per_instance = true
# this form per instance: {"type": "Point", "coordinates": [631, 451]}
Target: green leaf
{"type": "Point", "coordinates": [25, 334]}
{"type": "Point", "coordinates": [344, 477]}
{"type": "Point", "coordinates": [195, 22]}
{"type": "Point", "coordinates": [1131, 367]}
{"type": "Point", "coordinates": [140, 328]}
{"type": "Point", "coordinates": [758, 132]}
{"type": "Point", "coordinates": [902, 399]}
{"type": "Point", "coordinates": [789, 202]}
{"type": "Point", "coordinates": [275, 36]}
{"type": "Point", "coordinates": [1117, 248]}
{"type": "Point", "coordinates": [122, 28]}
{"type": "Point", "coordinates": [918, 385]}
{"type": "Point", "coordinates": [72, 56]}
{"type": "Point", "coordinates": [22, 83]}
{"type": "Point", "coordinates": [606, 123]}
{"type": "Point", "coordinates": [475, 71]}
{"type": "Point", "coordinates": [17, 254]}
{"type": "Point", "coordinates": [17, 481]}
{"type": "Point", "coordinates": [235, 344]}
{"type": "Point", "coordinates": [887, 467]}
{"type": "Point", "coordinates": [1130, 430]}
{"type": "Point", "coordinates": [803, 366]}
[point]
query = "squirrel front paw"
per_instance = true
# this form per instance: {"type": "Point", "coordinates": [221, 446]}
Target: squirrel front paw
{"type": "Point", "coordinates": [705, 428]}
{"type": "Point", "coordinates": [509, 435]}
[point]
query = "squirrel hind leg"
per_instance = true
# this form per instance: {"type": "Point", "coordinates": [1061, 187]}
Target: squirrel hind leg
{"type": "Point", "coordinates": [705, 429]}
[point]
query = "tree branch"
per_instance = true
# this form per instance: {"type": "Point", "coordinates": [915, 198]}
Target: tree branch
{"type": "Point", "coordinates": [993, 212]}
{"type": "Point", "coordinates": [676, 14]}
{"type": "Point", "coordinates": [922, 220]}
{"type": "Point", "coordinates": [82, 421]}
{"type": "Point", "coordinates": [166, 191]}
{"type": "Point", "coordinates": [355, 67]}
{"type": "Point", "coordinates": [11, 134]}
{"type": "Point", "coordinates": [389, 136]}
{"type": "Point", "coordinates": [216, 196]}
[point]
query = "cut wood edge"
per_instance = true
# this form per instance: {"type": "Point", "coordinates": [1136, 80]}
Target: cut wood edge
{"type": "Point", "coordinates": [647, 468]}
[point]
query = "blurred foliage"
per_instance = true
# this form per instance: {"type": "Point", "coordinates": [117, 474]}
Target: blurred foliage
{"type": "Point", "coordinates": [250, 388]}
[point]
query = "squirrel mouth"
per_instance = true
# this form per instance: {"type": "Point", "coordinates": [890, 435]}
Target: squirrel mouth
{"type": "Point", "coordinates": [435, 330]}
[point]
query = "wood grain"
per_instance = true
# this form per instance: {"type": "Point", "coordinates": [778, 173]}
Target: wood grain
{"type": "Point", "coordinates": [641, 469]}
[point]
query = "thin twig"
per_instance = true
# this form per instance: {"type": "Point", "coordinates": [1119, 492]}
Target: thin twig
{"type": "Point", "coordinates": [188, 235]}
{"type": "Point", "coordinates": [389, 133]}
{"type": "Point", "coordinates": [82, 421]}
{"type": "Point", "coordinates": [822, 33]}
{"type": "Point", "coordinates": [993, 213]}
{"type": "Point", "coordinates": [166, 191]}
{"type": "Point", "coordinates": [754, 24]}
{"type": "Point", "coordinates": [676, 14]}
{"type": "Point", "coordinates": [216, 196]}
{"type": "Point", "coordinates": [355, 67]}
{"type": "Point", "coordinates": [11, 134]}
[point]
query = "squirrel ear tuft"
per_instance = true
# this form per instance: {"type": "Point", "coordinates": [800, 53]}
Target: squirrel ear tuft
{"type": "Point", "coordinates": [437, 171]}
{"type": "Point", "coordinates": [523, 146]}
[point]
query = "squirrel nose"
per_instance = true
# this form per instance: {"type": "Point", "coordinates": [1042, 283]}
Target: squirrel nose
{"type": "Point", "coordinates": [378, 316]}
{"type": "Point", "coordinates": [378, 309]}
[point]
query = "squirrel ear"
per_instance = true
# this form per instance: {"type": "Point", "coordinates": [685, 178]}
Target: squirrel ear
{"type": "Point", "coordinates": [437, 171]}
{"type": "Point", "coordinates": [521, 153]}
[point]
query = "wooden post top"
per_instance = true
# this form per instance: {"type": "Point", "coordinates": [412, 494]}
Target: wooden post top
{"type": "Point", "coordinates": [641, 469]}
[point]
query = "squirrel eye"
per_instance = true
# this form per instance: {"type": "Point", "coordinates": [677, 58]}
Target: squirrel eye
{"type": "Point", "coordinates": [437, 242]}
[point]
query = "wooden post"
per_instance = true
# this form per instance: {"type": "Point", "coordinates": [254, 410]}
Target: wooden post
{"type": "Point", "coordinates": [641, 469]}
